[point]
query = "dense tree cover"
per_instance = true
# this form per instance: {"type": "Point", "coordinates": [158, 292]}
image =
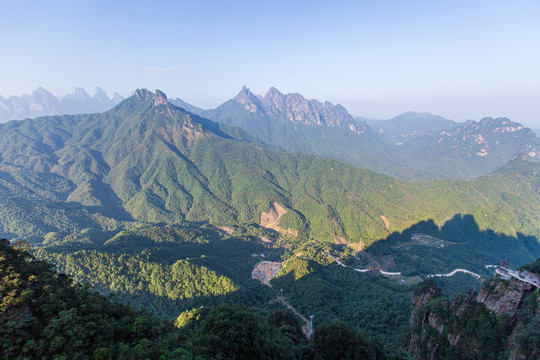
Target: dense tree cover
{"type": "Point", "coordinates": [148, 161]}
{"type": "Point", "coordinates": [463, 328]}
{"type": "Point", "coordinates": [166, 269]}
{"type": "Point", "coordinates": [409, 146]}
{"type": "Point", "coordinates": [467, 247]}
{"type": "Point", "coordinates": [334, 340]}
{"type": "Point", "coordinates": [131, 275]}
{"type": "Point", "coordinates": [526, 335]}
{"type": "Point", "coordinates": [533, 267]}
{"type": "Point", "coordinates": [112, 198]}
{"type": "Point", "coordinates": [377, 307]}
{"type": "Point", "coordinates": [173, 270]}
{"type": "Point", "coordinates": [235, 332]}
{"type": "Point", "coordinates": [44, 315]}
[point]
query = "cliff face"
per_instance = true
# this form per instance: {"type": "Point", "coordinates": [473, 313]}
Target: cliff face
{"type": "Point", "coordinates": [422, 296]}
{"type": "Point", "coordinates": [496, 323]}
{"type": "Point", "coordinates": [296, 109]}
{"type": "Point", "coordinates": [505, 297]}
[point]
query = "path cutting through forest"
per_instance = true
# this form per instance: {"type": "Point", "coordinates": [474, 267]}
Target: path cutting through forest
{"type": "Point", "coordinates": [305, 328]}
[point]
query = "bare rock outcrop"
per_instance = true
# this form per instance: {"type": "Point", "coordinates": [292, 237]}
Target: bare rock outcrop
{"type": "Point", "coordinates": [442, 327]}
{"type": "Point", "coordinates": [505, 297]}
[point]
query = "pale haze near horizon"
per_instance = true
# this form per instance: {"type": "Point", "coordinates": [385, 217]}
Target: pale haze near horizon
{"type": "Point", "coordinates": [458, 59]}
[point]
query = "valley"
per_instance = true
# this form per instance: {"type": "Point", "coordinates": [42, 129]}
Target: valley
{"type": "Point", "coordinates": [178, 215]}
{"type": "Point", "coordinates": [273, 180]}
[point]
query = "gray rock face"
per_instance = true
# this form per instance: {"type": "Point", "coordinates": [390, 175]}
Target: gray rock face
{"type": "Point", "coordinates": [295, 108]}
{"type": "Point", "coordinates": [505, 298]}
{"type": "Point", "coordinates": [489, 136]}
{"type": "Point", "coordinates": [248, 99]}
{"type": "Point", "coordinates": [422, 299]}
{"type": "Point", "coordinates": [499, 297]}
{"type": "Point", "coordinates": [160, 98]}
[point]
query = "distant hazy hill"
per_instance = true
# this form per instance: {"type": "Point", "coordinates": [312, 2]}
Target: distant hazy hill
{"type": "Point", "coordinates": [409, 146]}
{"type": "Point", "coordinates": [410, 125]}
{"type": "Point", "coordinates": [149, 161]}
{"type": "Point", "coordinates": [470, 149]}
{"type": "Point", "coordinates": [42, 102]}
{"type": "Point", "coordinates": [457, 150]}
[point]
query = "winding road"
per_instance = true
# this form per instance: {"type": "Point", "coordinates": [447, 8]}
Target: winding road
{"type": "Point", "coordinates": [454, 272]}
{"type": "Point", "coordinates": [387, 273]}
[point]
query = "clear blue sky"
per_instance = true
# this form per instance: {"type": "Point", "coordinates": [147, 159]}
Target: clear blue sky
{"type": "Point", "coordinates": [459, 59]}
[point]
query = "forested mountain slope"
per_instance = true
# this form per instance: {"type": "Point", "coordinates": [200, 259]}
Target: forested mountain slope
{"type": "Point", "coordinates": [409, 146]}
{"type": "Point", "coordinates": [149, 161]}
{"type": "Point", "coordinates": [296, 124]}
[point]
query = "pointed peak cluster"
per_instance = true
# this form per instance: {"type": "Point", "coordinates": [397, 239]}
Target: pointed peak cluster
{"type": "Point", "coordinates": [160, 98]}
{"type": "Point", "coordinates": [245, 95]}
{"type": "Point", "coordinates": [42, 102]}
{"type": "Point", "coordinates": [143, 94]}
{"type": "Point", "coordinates": [157, 98]}
{"type": "Point", "coordinates": [273, 92]}
{"type": "Point", "coordinates": [250, 101]}
{"type": "Point", "coordinates": [297, 109]}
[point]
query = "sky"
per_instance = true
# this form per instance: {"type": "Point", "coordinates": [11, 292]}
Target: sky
{"type": "Point", "coordinates": [458, 59]}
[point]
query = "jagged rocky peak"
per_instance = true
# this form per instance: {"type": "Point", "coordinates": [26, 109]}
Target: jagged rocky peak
{"type": "Point", "coordinates": [274, 101]}
{"type": "Point", "coordinates": [43, 102]}
{"type": "Point", "coordinates": [101, 95]}
{"type": "Point", "coordinates": [423, 293]}
{"type": "Point", "coordinates": [440, 324]}
{"type": "Point", "coordinates": [504, 297]}
{"type": "Point", "coordinates": [250, 101]}
{"type": "Point", "coordinates": [117, 98]}
{"type": "Point", "coordinates": [500, 125]}
{"type": "Point", "coordinates": [160, 98]}
{"type": "Point", "coordinates": [42, 92]}
{"type": "Point", "coordinates": [143, 94]}
{"type": "Point", "coordinates": [157, 98]}
{"type": "Point", "coordinates": [245, 95]}
{"type": "Point", "coordinates": [296, 108]}
{"type": "Point", "coordinates": [80, 93]}
{"type": "Point", "coordinates": [42, 98]}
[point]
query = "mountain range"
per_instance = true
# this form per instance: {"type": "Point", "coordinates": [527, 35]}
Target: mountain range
{"type": "Point", "coordinates": [42, 102]}
{"type": "Point", "coordinates": [149, 161]}
{"type": "Point", "coordinates": [409, 146]}
{"type": "Point", "coordinates": [173, 212]}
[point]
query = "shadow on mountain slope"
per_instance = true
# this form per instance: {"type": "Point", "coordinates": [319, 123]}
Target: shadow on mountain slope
{"type": "Point", "coordinates": [424, 248]}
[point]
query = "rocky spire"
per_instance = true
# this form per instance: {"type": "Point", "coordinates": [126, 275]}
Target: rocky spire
{"type": "Point", "coordinates": [160, 98]}
{"type": "Point", "coordinates": [274, 101]}
{"type": "Point", "coordinates": [248, 99]}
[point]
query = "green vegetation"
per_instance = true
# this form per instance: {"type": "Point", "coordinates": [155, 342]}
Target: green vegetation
{"type": "Point", "coordinates": [336, 341]}
{"type": "Point", "coordinates": [409, 146]}
{"type": "Point", "coordinates": [464, 328]}
{"type": "Point", "coordinates": [44, 315]}
{"type": "Point", "coordinates": [533, 267]}
{"type": "Point", "coordinates": [374, 306]}
{"type": "Point", "coordinates": [165, 269]}
{"type": "Point", "coordinates": [526, 334]}
{"type": "Point", "coordinates": [143, 163]}
{"type": "Point", "coordinates": [471, 249]}
{"type": "Point", "coordinates": [134, 203]}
